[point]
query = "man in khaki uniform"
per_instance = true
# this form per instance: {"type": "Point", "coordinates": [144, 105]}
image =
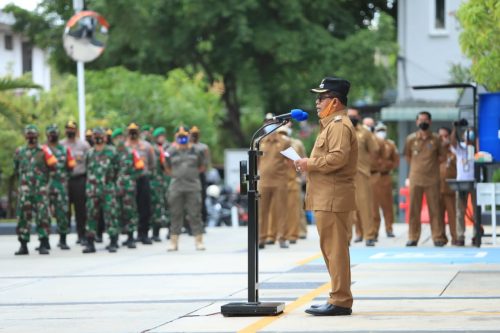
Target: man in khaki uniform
{"type": "Point", "coordinates": [448, 170]}
{"type": "Point", "coordinates": [367, 150]}
{"type": "Point", "coordinates": [382, 189]}
{"type": "Point", "coordinates": [294, 207]}
{"type": "Point", "coordinates": [424, 151]}
{"type": "Point", "coordinates": [330, 190]}
{"type": "Point", "coordinates": [273, 171]}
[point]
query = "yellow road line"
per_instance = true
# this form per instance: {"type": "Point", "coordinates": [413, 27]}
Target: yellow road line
{"type": "Point", "coordinates": [261, 323]}
{"type": "Point", "coordinates": [308, 260]}
{"type": "Point", "coordinates": [424, 314]}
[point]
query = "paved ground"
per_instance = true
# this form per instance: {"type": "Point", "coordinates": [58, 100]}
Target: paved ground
{"type": "Point", "coordinates": [423, 289]}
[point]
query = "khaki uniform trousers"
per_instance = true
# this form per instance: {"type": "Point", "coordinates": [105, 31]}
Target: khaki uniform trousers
{"type": "Point", "coordinates": [293, 211]}
{"type": "Point", "coordinates": [447, 204]}
{"type": "Point", "coordinates": [333, 230]}
{"type": "Point", "coordinates": [432, 195]}
{"type": "Point", "coordinates": [363, 217]}
{"type": "Point", "coordinates": [303, 224]}
{"type": "Point", "coordinates": [272, 213]}
{"type": "Point", "coordinates": [382, 198]}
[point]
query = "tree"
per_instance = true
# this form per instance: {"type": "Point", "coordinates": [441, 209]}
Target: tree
{"type": "Point", "coordinates": [7, 108]}
{"type": "Point", "coordinates": [480, 40]}
{"type": "Point", "coordinates": [266, 53]}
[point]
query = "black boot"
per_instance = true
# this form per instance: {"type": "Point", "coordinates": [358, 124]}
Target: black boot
{"type": "Point", "coordinates": [98, 238]}
{"type": "Point", "coordinates": [113, 245]}
{"type": "Point", "coordinates": [44, 246]}
{"type": "Point", "coordinates": [156, 234]}
{"type": "Point", "coordinates": [145, 239]}
{"type": "Point", "coordinates": [168, 233]}
{"type": "Point", "coordinates": [89, 246]}
{"type": "Point", "coordinates": [23, 250]}
{"type": "Point", "coordinates": [62, 242]}
{"type": "Point", "coordinates": [130, 242]}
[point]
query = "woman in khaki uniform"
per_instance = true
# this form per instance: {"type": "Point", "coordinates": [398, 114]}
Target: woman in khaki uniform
{"type": "Point", "coordinates": [330, 190]}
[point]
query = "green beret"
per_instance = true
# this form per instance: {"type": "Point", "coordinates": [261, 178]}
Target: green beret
{"type": "Point", "coordinates": [116, 132]}
{"type": "Point", "coordinates": [159, 131]}
{"type": "Point", "coordinates": [30, 129]}
{"type": "Point", "coordinates": [52, 128]}
{"type": "Point", "coordinates": [98, 131]}
{"type": "Point", "coordinates": [146, 128]}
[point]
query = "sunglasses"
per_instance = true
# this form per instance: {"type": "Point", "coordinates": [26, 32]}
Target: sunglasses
{"type": "Point", "coordinates": [321, 98]}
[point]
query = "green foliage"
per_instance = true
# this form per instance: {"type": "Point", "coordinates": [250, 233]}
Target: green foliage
{"type": "Point", "coordinates": [115, 97]}
{"type": "Point", "coordinates": [266, 53]}
{"type": "Point", "coordinates": [480, 40]}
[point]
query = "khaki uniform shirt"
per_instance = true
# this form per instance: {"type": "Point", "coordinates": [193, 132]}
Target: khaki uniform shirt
{"type": "Point", "coordinates": [273, 166]}
{"type": "Point", "coordinates": [390, 157]}
{"type": "Point", "coordinates": [294, 180]}
{"type": "Point", "coordinates": [447, 170]}
{"type": "Point", "coordinates": [423, 157]}
{"type": "Point", "coordinates": [206, 153]}
{"type": "Point", "coordinates": [377, 158]}
{"type": "Point", "coordinates": [367, 149]}
{"type": "Point", "coordinates": [78, 149]}
{"type": "Point", "coordinates": [332, 166]}
{"type": "Point", "coordinates": [147, 154]}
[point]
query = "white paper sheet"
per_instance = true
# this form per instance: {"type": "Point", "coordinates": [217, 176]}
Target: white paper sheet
{"type": "Point", "coordinates": [291, 154]}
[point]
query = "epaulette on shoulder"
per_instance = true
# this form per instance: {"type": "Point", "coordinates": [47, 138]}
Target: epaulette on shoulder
{"type": "Point", "coordinates": [391, 141]}
{"type": "Point", "coordinates": [412, 136]}
{"type": "Point", "coordinates": [337, 118]}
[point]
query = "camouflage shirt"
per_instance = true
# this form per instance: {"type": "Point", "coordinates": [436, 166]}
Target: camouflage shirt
{"type": "Point", "coordinates": [30, 168]}
{"type": "Point", "coordinates": [102, 169]}
{"type": "Point", "coordinates": [61, 172]}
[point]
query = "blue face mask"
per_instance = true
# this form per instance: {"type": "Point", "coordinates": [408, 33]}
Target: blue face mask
{"type": "Point", "coordinates": [182, 140]}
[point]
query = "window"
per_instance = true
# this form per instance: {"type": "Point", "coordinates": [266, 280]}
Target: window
{"type": "Point", "coordinates": [8, 44]}
{"type": "Point", "coordinates": [27, 53]}
{"type": "Point", "coordinates": [439, 15]}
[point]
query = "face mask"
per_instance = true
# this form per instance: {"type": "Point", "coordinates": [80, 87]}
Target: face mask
{"type": "Point", "coordinates": [32, 140]}
{"type": "Point", "coordinates": [381, 134]}
{"type": "Point", "coordinates": [70, 135]}
{"type": "Point", "coordinates": [354, 121]}
{"type": "Point", "coordinates": [98, 140]}
{"type": "Point", "coordinates": [470, 136]}
{"type": "Point", "coordinates": [195, 137]}
{"type": "Point", "coordinates": [53, 138]}
{"type": "Point", "coordinates": [423, 126]}
{"type": "Point", "coordinates": [182, 140]}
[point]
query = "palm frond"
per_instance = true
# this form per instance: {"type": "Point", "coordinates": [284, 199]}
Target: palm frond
{"type": "Point", "coordinates": [7, 83]}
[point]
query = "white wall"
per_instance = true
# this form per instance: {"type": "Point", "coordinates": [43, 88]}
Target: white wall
{"type": "Point", "coordinates": [11, 60]}
{"type": "Point", "coordinates": [427, 54]}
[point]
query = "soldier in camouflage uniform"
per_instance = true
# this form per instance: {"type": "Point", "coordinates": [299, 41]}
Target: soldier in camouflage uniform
{"type": "Point", "coordinates": [32, 164]}
{"type": "Point", "coordinates": [58, 185]}
{"type": "Point", "coordinates": [159, 184]}
{"type": "Point", "coordinates": [102, 167]}
{"type": "Point", "coordinates": [125, 188]}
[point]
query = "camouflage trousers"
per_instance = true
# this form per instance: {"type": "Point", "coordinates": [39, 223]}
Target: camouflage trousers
{"type": "Point", "coordinates": [127, 211]}
{"type": "Point", "coordinates": [159, 206]}
{"type": "Point", "coordinates": [58, 195]}
{"type": "Point", "coordinates": [33, 205]}
{"type": "Point", "coordinates": [102, 201]}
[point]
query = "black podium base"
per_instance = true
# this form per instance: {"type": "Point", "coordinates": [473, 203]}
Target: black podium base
{"type": "Point", "coordinates": [252, 309]}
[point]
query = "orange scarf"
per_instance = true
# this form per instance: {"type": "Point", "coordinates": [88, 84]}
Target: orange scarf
{"type": "Point", "coordinates": [327, 111]}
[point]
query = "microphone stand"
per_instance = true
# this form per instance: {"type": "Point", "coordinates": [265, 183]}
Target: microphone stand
{"type": "Point", "coordinates": [253, 307]}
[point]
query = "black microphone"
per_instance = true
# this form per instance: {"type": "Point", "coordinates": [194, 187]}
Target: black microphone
{"type": "Point", "coordinates": [295, 114]}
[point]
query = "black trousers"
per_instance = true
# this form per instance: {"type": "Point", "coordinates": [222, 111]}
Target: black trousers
{"type": "Point", "coordinates": [76, 197]}
{"type": "Point", "coordinates": [143, 199]}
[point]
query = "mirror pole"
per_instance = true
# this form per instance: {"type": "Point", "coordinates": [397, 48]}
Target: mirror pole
{"type": "Point", "coordinates": [80, 69]}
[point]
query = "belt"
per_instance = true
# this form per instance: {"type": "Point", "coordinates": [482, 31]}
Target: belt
{"type": "Point", "coordinates": [83, 175]}
{"type": "Point", "coordinates": [374, 172]}
{"type": "Point", "coordinates": [385, 173]}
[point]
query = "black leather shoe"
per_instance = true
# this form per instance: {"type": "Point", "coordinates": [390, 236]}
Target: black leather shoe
{"type": "Point", "coordinates": [358, 239]}
{"type": "Point", "coordinates": [293, 241]}
{"type": "Point", "coordinates": [390, 234]}
{"type": "Point", "coordinates": [284, 244]}
{"type": "Point", "coordinates": [262, 246]}
{"type": "Point", "coordinates": [370, 242]}
{"type": "Point", "coordinates": [315, 306]}
{"type": "Point", "coordinates": [329, 310]}
{"type": "Point", "coordinates": [270, 242]}
{"type": "Point", "coordinates": [439, 244]}
{"type": "Point", "coordinates": [146, 240]}
{"type": "Point", "coordinates": [411, 243]}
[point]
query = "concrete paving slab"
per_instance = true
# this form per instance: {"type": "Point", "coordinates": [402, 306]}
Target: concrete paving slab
{"type": "Point", "coordinates": [150, 290]}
